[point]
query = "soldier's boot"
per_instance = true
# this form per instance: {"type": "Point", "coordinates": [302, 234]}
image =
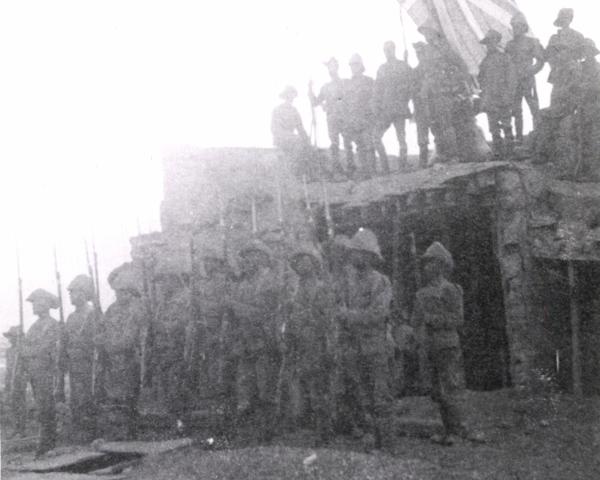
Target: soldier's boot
{"type": "Point", "coordinates": [323, 428]}
{"type": "Point", "coordinates": [267, 422]}
{"type": "Point", "coordinates": [423, 156]}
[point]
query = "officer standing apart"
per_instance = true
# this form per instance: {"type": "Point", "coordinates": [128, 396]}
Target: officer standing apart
{"type": "Point", "coordinates": [40, 357]}
{"type": "Point", "coordinates": [437, 316]}
{"type": "Point", "coordinates": [498, 85]}
{"type": "Point", "coordinates": [365, 343]}
{"type": "Point", "coordinates": [79, 346]}
{"type": "Point", "coordinates": [331, 98]}
{"type": "Point", "coordinates": [392, 94]}
{"type": "Point", "coordinates": [527, 55]}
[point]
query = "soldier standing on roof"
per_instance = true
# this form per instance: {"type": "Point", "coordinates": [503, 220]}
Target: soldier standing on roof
{"type": "Point", "coordinates": [15, 384]}
{"type": "Point", "coordinates": [420, 102]}
{"type": "Point", "coordinates": [359, 114]}
{"type": "Point", "coordinates": [365, 342]}
{"type": "Point", "coordinates": [590, 112]}
{"type": "Point", "coordinates": [437, 315]}
{"type": "Point", "coordinates": [497, 80]}
{"type": "Point", "coordinates": [331, 98]}
{"type": "Point", "coordinates": [40, 356]}
{"type": "Point", "coordinates": [527, 55]}
{"type": "Point", "coordinates": [289, 133]}
{"type": "Point", "coordinates": [392, 94]}
{"type": "Point", "coordinates": [121, 342]}
{"type": "Point", "coordinates": [79, 347]}
{"type": "Point", "coordinates": [308, 333]}
{"type": "Point", "coordinates": [254, 304]}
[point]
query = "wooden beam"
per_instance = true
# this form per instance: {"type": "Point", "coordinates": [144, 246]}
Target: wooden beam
{"type": "Point", "coordinates": [576, 353]}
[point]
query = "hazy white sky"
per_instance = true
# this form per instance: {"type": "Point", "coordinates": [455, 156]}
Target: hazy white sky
{"type": "Point", "coordinates": [90, 91]}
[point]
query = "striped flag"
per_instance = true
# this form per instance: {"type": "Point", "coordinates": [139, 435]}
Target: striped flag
{"type": "Point", "coordinates": [464, 23]}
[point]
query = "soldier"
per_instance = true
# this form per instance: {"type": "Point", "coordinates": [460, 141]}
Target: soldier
{"type": "Point", "coordinates": [563, 53]}
{"type": "Point", "coordinates": [498, 84]}
{"type": "Point", "coordinates": [359, 114]}
{"type": "Point", "coordinates": [365, 343]}
{"type": "Point", "coordinates": [527, 55]}
{"type": "Point", "coordinates": [590, 112]}
{"type": "Point", "coordinates": [40, 357]}
{"type": "Point", "coordinates": [420, 102]}
{"type": "Point", "coordinates": [173, 317]}
{"type": "Point", "coordinates": [392, 94]}
{"type": "Point", "coordinates": [80, 334]}
{"type": "Point", "coordinates": [121, 341]}
{"type": "Point", "coordinates": [15, 384]}
{"type": "Point", "coordinates": [437, 314]}
{"type": "Point", "coordinates": [308, 335]}
{"type": "Point", "coordinates": [288, 132]}
{"type": "Point", "coordinates": [331, 98]}
{"type": "Point", "coordinates": [255, 302]}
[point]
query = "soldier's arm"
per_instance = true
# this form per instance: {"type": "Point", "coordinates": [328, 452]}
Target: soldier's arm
{"type": "Point", "coordinates": [300, 127]}
{"type": "Point", "coordinates": [539, 59]}
{"type": "Point", "coordinates": [379, 309]}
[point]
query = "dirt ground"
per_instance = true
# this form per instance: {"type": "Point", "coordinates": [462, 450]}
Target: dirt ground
{"type": "Point", "coordinates": [527, 436]}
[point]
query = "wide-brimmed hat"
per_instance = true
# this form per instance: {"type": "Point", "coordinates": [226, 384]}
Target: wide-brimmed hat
{"type": "Point", "coordinates": [437, 251]}
{"type": "Point", "coordinates": [564, 18]}
{"type": "Point", "coordinates": [590, 46]}
{"type": "Point", "coordinates": [41, 295]}
{"type": "Point", "coordinates": [289, 93]}
{"type": "Point", "coordinates": [84, 284]}
{"type": "Point", "coordinates": [307, 249]}
{"type": "Point", "coordinates": [332, 62]}
{"type": "Point", "coordinates": [492, 37]}
{"type": "Point", "coordinates": [519, 19]}
{"type": "Point", "coordinates": [365, 240]}
{"type": "Point", "coordinates": [13, 332]}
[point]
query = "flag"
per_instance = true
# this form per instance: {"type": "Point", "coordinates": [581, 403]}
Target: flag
{"type": "Point", "coordinates": [464, 23]}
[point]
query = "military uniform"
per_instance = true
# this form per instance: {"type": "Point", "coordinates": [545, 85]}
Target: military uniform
{"type": "Point", "coordinates": [359, 115]}
{"type": "Point", "coordinates": [527, 55]}
{"type": "Point", "coordinates": [364, 340]}
{"type": "Point", "coordinates": [15, 384]}
{"type": "Point", "coordinates": [497, 80]}
{"type": "Point", "coordinates": [40, 356]}
{"type": "Point", "coordinates": [121, 342]}
{"type": "Point", "coordinates": [392, 94]}
{"type": "Point", "coordinates": [331, 97]}
{"type": "Point", "coordinates": [308, 338]}
{"type": "Point", "coordinates": [79, 335]}
{"type": "Point", "coordinates": [420, 102]}
{"type": "Point", "coordinates": [590, 113]}
{"type": "Point", "coordinates": [437, 314]}
{"type": "Point", "coordinates": [255, 301]}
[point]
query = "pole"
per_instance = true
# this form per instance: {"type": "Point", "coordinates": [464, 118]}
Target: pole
{"type": "Point", "coordinates": [576, 357]}
{"type": "Point", "coordinates": [21, 332]}
{"type": "Point", "coordinates": [95, 316]}
{"type": "Point", "coordinates": [403, 35]}
{"type": "Point", "coordinates": [96, 277]}
{"type": "Point", "coordinates": [60, 370]}
{"type": "Point", "coordinates": [254, 219]}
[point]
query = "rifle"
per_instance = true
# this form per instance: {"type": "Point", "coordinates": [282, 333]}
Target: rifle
{"type": "Point", "coordinates": [21, 327]}
{"type": "Point", "coordinates": [97, 313]}
{"type": "Point", "coordinates": [60, 374]}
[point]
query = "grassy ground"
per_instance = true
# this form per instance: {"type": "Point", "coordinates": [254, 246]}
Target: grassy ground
{"type": "Point", "coordinates": [528, 437]}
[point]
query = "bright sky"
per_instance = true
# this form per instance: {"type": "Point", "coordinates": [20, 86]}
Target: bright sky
{"type": "Point", "coordinates": [90, 92]}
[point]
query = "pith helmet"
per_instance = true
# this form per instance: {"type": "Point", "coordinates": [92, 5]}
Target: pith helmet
{"type": "Point", "coordinates": [289, 93]}
{"type": "Point", "coordinates": [332, 62]}
{"type": "Point", "coordinates": [519, 19]}
{"type": "Point", "coordinates": [419, 46]}
{"type": "Point", "coordinates": [127, 280]}
{"type": "Point", "coordinates": [41, 295]}
{"type": "Point", "coordinates": [256, 246]}
{"type": "Point", "coordinates": [564, 18]}
{"type": "Point", "coordinates": [357, 60]}
{"type": "Point", "coordinates": [492, 37]}
{"type": "Point", "coordinates": [590, 46]}
{"type": "Point", "coordinates": [365, 240]}
{"type": "Point", "coordinates": [437, 251]}
{"type": "Point", "coordinates": [309, 250]}
{"type": "Point", "coordinates": [342, 242]}
{"type": "Point", "coordinates": [84, 284]}
{"type": "Point", "coordinates": [13, 332]}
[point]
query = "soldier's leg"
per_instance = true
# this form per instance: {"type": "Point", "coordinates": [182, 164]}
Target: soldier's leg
{"type": "Point", "coordinates": [381, 127]}
{"type": "Point", "coordinates": [423, 141]}
{"type": "Point", "coordinates": [504, 118]}
{"type": "Point", "coordinates": [246, 382]}
{"type": "Point", "coordinates": [382, 400]}
{"type": "Point", "coordinates": [534, 105]}
{"type": "Point", "coordinates": [267, 375]}
{"type": "Point", "coordinates": [366, 149]}
{"type": "Point", "coordinates": [334, 128]}
{"type": "Point", "coordinates": [517, 113]}
{"type": "Point", "coordinates": [18, 402]}
{"type": "Point", "coordinates": [495, 131]}
{"type": "Point", "coordinates": [317, 381]}
{"type": "Point", "coordinates": [349, 149]}
{"type": "Point", "coordinates": [43, 385]}
{"type": "Point", "coordinates": [400, 126]}
{"type": "Point", "coordinates": [82, 405]}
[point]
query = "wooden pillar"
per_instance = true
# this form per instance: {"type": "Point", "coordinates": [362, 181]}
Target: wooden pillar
{"type": "Point", "coordinates": [576, 351]}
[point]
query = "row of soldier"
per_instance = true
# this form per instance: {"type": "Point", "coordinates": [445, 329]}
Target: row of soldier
{"type": "Point", "coordinates": [360, 110]}
{"type": "Point", "coordinates": [309, 344]}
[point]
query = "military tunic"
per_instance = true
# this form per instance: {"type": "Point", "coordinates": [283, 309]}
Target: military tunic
{"type": "Point", "coordinates": [15, 387]}
{"type": "Point", "coordinates": [80, 333]}
{"type": "Point", "coordinates": [438, 313]}
{"type": "Point", "coordinates": [40, 356]}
